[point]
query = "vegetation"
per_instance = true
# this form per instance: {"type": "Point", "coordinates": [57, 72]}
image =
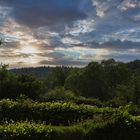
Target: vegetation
{"type": "Point", "coordinates": [109, 80]}
{"type": "Point", "coordinates": [65, 112]}
{"type": "Point", "coordinates": [12, 85]}
{"type": "Point", "coordinates": [99, 101]}
{"type": "Point", "coordinates": [120, 125]}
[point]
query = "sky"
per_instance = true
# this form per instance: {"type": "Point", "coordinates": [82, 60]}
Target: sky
{"type": "Point", "coordinates": [68, 32]}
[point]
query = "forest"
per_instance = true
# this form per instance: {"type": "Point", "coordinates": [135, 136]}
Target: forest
{"type": "Point", "coordinates": [99, 101]}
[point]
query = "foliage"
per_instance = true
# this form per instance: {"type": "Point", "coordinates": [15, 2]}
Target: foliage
{"type": "Point", "coordinates": [24, 130]}
{"type": "Point", "coordinates": [88, 82]}
{"type": "Point", "coordinates": [89, 101]}
{"type": "Point", "coordinates": [56, 77]}
{"type": "Point", "coordinates": [121, 126]}
{"type": "Point", "coordinates": [12, 85]}
{"type": "Point", "coordinates": [59, 94]}
{"type": "Point", "coordinates": [54, 113]}
{"type": "Point", "coordinates": [112, 81]}
{"type": "Point", "coordinates": [29, 86]}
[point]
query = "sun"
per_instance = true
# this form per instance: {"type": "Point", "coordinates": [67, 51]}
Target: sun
{"type": "Point", "coordinates": [28, 54]}
{"type": "Point", "coordinates": [28, 50]}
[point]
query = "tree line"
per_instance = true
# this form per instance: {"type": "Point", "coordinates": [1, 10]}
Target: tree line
{"type": "Point", "coordinates": [110, 81]}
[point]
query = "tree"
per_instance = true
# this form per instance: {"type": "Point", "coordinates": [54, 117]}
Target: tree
{"type": "Point", "coordinates": [30, 86]}
{"type": "Point", "coordinates": [8, 83]}
{"type": "Point", "coordinates": [123, 94]}
{"type": "Point", "coordinates": [12, 85]}
{"type": "Point", "coordinates": [57, 77]}
{"type": "Point", "coordinates": [89, 82]}
{"type": "Point", "coordinates": [117, 72]}
{"type": "Point", "coordinates": [74, 81]}
{"type": "Point", "coordinates": [136, 95]}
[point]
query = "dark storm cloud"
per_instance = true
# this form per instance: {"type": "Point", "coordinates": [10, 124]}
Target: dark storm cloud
{"type": "Point", "coordinates": [117, 44]}
{"type": "Point", "coordinates": [111, 45]}
{"type": "Point", "coordinates": [61, 59]}
{"type": "Point", "coordinates": [63, 62]}
{"type": "Point", "coordinates": [34, 13]}
{"type": "Point", "coordinates": [123, 57]}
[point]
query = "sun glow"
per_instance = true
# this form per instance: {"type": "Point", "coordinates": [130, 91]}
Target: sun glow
{"type": "Point", "coordinates": [27, 55]}
{"type": "Point", "coordinates": [28, 50]}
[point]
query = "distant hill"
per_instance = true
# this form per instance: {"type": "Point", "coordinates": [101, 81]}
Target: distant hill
{"type": "Point", "coordinates": [39, 72]}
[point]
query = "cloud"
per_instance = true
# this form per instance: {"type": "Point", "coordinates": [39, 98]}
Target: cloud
{"type": "Point", "coordinates": [63, 62]}
{"type": "Point", "coordinates": [123, 57]}
{"type": "Point", "coordinates": [116, 45]}
{"type": "Point", "coordinates": [129, 4]}
{"type": "Point", "coordinates": [45, 12]}
{"type": "Point", "coordinates": [72, 32]}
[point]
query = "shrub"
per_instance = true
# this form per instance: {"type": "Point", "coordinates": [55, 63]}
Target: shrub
{"type": "Point", "coordinates": [55, 113]}
{"type": "Point", "coordinates": [60, 94]}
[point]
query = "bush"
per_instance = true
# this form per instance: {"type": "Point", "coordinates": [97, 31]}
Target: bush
{"type": "Point", "coordinates": [55, 113]}
{"type": "Point", "coordinates": [24, 130]}
{"type": "Point", "coordinates": [122, 126]}
{"type": "Point", "coordinates": [89, 101]}
{"type": "Point", "coordinates": [59, 94]}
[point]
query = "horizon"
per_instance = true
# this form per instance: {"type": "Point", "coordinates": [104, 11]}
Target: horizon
{"type": "Point", "coordinates": [68, 32]}
{"type": "Point", "coordinates": [68, 66]}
